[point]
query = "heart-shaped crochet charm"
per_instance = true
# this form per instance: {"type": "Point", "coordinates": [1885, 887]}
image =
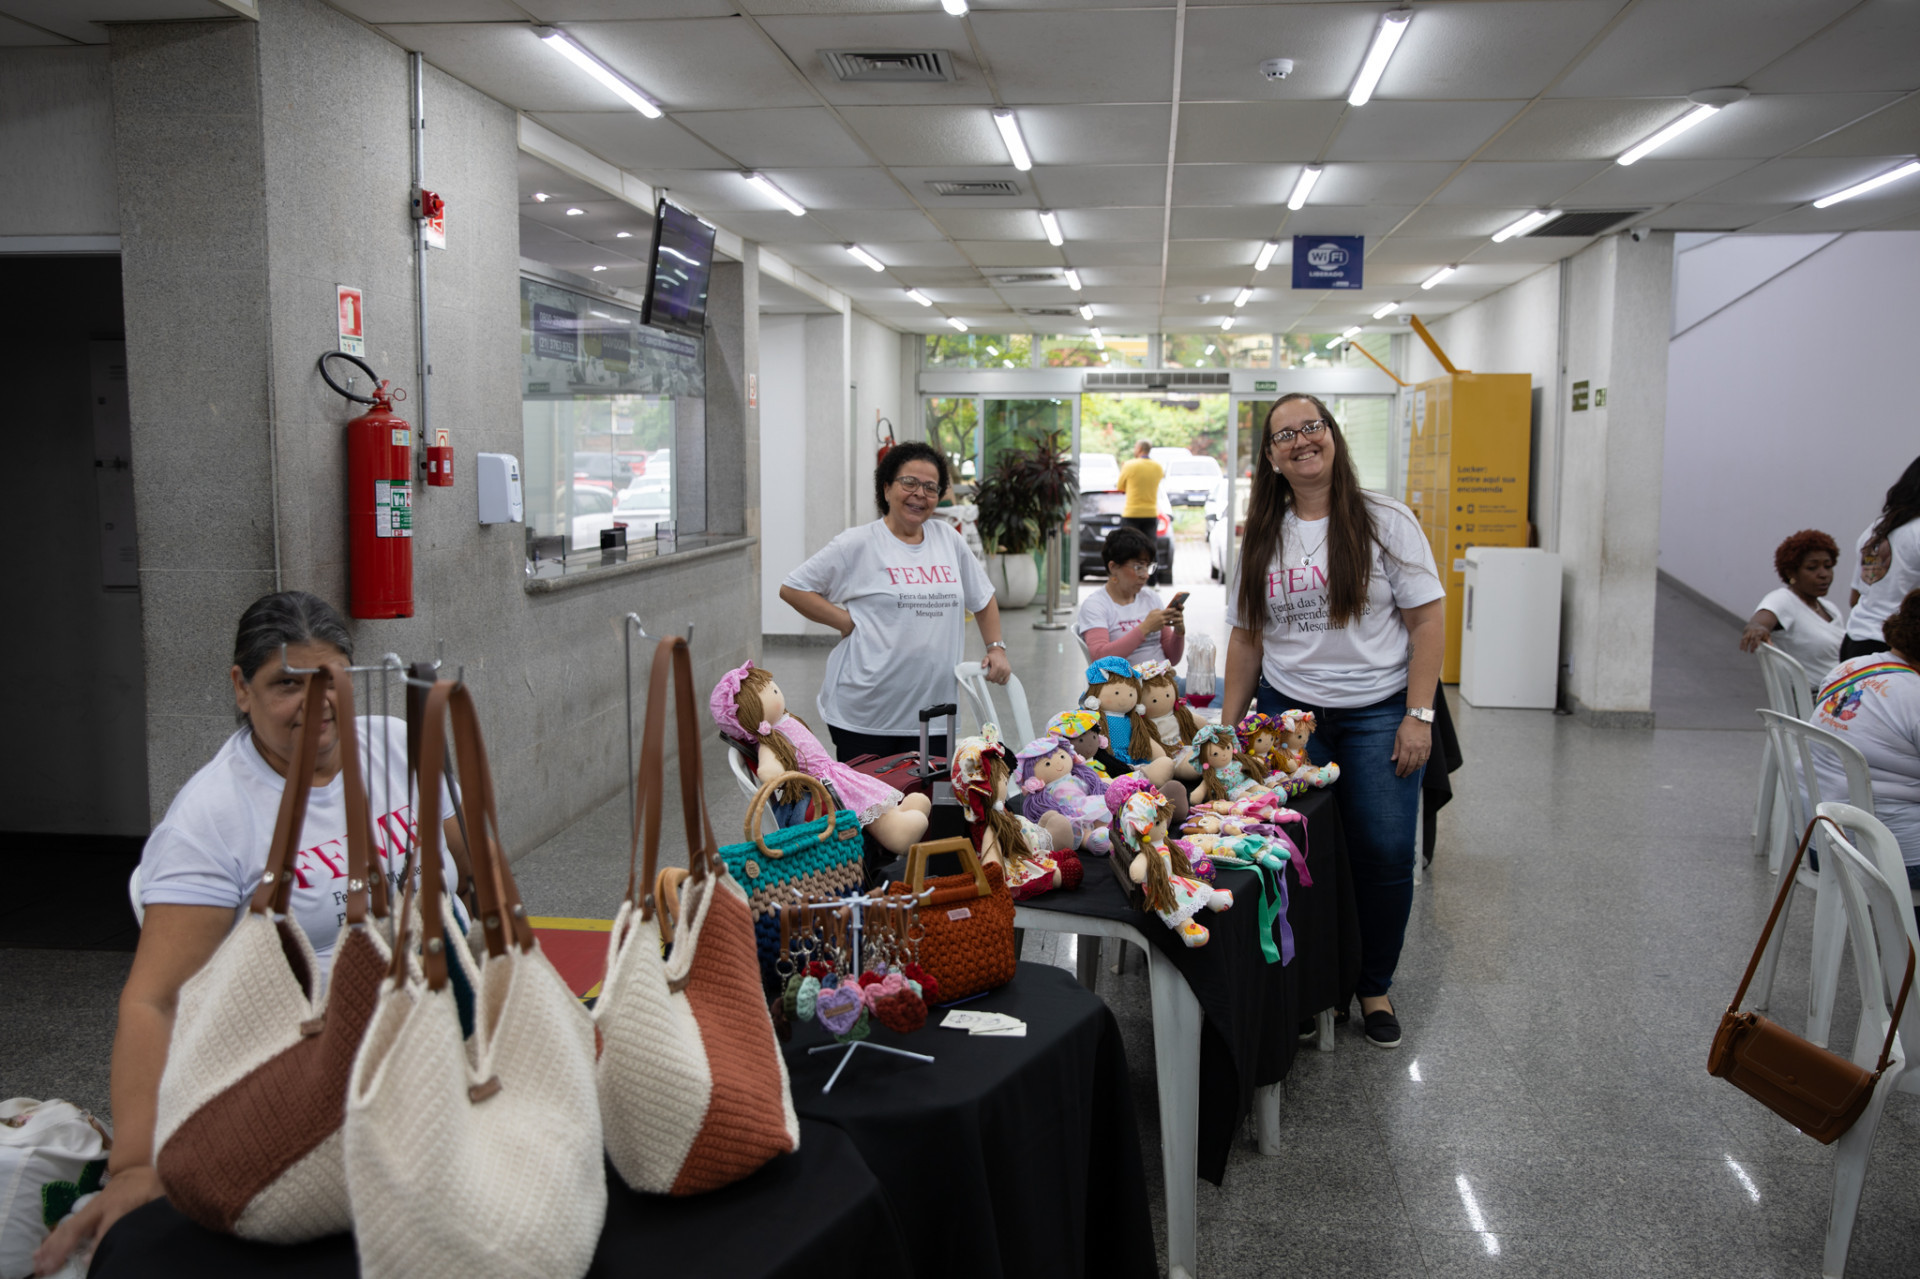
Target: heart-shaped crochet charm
{"type": "Point", "coordinates": [790, 996]}
{"type": "Point", "coordinates": [901, 1010]}
{"type": "Point", "coordinates": [839, 1008]}
{"type": "Point", "coordinates": [879, 986]}
{"type": "Point", "coordinates": [805, 998]}
{"type": "Point", "coordinates": [861, 1028]}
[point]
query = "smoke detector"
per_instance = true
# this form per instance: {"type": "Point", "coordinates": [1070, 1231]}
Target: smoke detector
{"type": "Point", "coordinates": [1277, 68]}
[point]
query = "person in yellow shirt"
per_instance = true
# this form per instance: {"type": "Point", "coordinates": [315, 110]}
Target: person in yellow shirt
{"type": "Point", "coordinates": [1140, 481]}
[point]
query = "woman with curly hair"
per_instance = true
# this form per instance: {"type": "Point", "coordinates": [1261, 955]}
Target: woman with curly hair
{"type": "Point", "coordinates": [1791, 617]}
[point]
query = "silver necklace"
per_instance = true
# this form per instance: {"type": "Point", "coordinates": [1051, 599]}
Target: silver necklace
{"type": "Point", "coordinates": [1306, 560]}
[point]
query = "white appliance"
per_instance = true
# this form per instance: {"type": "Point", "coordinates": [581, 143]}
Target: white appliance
{"type": "Point", "coordinates": [497, 476]}
{"type": "Point", "coordinates": [1510, 628]}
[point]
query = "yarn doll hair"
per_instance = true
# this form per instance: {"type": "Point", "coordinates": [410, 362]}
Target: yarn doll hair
{"type": "Point", "coordinates": [1014, 848]}
{"type": "Point", "coordinates": [1140, 811]}
{"type": "Point", "coordinates": [1183, 717]}
{"type": "Point", "coordinates": [1110, 670]}
{"type": "Point", "coordinates": [1031, 784]}
{"type": "Point", "coordinates": [1210, 784]}
{"type": "Point", "coordinates": [752, 716]}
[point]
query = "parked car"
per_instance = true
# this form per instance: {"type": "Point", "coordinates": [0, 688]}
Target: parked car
{"type": "Point", "coordinates": [1100, 515]}
{"type": "Point", "coordinates": [1216, 503]}
{"type": "Point", "coordinates": [646, 503]}
{"type": "Point", "coordinates": [1098, 471]}
{"type": "Point", "coordinates": [1190, 479]}
{"type": "Point", "coordinates": [1225, 535]}
{"type": "Point", "coordinates": [592, 513]}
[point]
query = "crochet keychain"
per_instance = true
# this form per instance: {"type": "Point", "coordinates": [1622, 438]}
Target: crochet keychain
{"type": "Point", "coordinates": [824, 977]}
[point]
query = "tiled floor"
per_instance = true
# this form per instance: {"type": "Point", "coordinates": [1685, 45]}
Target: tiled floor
{"type": "Point", "coordinates": [1591, 907]}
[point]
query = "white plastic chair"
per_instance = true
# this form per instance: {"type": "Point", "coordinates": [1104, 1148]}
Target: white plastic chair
{"type": "Point", "coordinates": [979, 694]}
{"type": "Point", "coordinates": [1788, 693]}
{"type": "Point", "coordinates": [1794, 742]}
{"type": "Point", "coordinates": [1880, 926]}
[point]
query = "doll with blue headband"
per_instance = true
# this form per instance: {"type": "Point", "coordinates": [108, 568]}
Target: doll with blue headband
{"type": "Point", "coordinates": [1064, 795]}
{"type": "Point", "coordinates": [1113, 689]}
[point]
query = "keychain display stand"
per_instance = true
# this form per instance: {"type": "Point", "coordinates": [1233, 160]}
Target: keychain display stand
{"type": "Point", "coordinates": [854, 925]}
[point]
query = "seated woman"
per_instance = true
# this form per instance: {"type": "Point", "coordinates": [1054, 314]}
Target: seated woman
{"type": "Point", "coordinates": [204, 859]}
{"type": "Point", "coordinates": [1874, 702]}
{"type": "Point", "coordinates": [1126, 617]}
{"type": "Point", "coordinates": [1791, 617]}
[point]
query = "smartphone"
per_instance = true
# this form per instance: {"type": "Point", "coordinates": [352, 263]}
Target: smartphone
{"type": "Point", "coordinates": [1179, 601]}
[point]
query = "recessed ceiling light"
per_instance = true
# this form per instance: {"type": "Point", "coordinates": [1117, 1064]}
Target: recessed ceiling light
{"type": "Point", "coordinates": [599, 268]}
{"type": "Point", "coordinates": [1016, 145]}
{"type": "Point", "coordinates": [1226, 324]}
{"type": "Point", "coordinates": [1245, 296]}
{"type": "Point", "coordinates": [541, 197]}
{"type": "Point", "coordinates": [778, 196]}
{"type": "Point", "coordinates": [1350, 334]}
{"type": "Point", "coordinates": [1386, 310]}
{"type": "Point", "coordinates": [992, 349]}
{"type": "Point", "coordinates": [919, 297]}
{"type": "Point", "coordinates": [1267, 251]}
{"type": "Point", "coordinates": [623, 235]}
{"type": "Point", "coordinates": [1525, 224]}
{"type": "Point", "coordinates": [1086, 311]}
{"type": "Point", "coordinates": [1073, 279]}
{"type": "Point", "coordinates": [575, 213]}
{"type": "Point", "coordinates": [1099, 339]}
{"type": "Point", "coordinates": [600, 315]}
{"type": "Point", "coordinates": [958, 324]}
{"type": "Point", "coordinates": [1209, 350]}
{"type": "Point", "coordinates": [1438, 276]}
{"type": "Point", "coordinates": [1861, 188]}
{"type": "Point", "coordinates": [1303, 187]}
{"type": "Point", "coordinates": [872, 263]}
{"type": "Point", "coordinates": [1646, 147]}
{"type": "Point", "coordinates": [1386, 38]}
{"type": "Point", "coordinates": [561, 43]}
{"type": "Point", "coordinates": [958, 8]}
{"type": "Point", "coordinates": [1051, 225]}
{"type": "Point", "coordinates": [1333, 345]}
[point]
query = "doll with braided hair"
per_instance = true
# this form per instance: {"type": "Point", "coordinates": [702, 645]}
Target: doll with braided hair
{"type": "Point", "coordinates": [1026, 850]}
{"type": "Point", "coordinates": [1227, 773]}
{"type": "Point", "coordinates": [1151, 876]}
{"type": "Point", "coordinates": [1279, 743]}
{"type": "Point", "coordinates": [750, 709]}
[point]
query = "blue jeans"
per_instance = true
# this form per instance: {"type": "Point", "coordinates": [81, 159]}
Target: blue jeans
{"type": "Point", "coordinates": [1380, 815]}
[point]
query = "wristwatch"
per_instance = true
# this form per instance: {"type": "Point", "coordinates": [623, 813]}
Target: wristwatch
{"type": "Point", "coordinates": [1001, 644]}
{"type": "Point", "coordinates": [1422, 713]}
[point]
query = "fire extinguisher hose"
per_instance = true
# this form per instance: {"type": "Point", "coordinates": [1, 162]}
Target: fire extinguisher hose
{"type": "Point", "coordinates": [364, 367]}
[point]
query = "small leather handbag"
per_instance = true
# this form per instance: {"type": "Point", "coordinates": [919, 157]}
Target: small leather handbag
{"type": "Point", "coordinates": [818, 859]}
{"type": "Point", "coordinates": [247, 1125]}
{"type": "Point", "coordinates": [1817, 1091]}
{"type": "Point", "coordinates": [967, 921]}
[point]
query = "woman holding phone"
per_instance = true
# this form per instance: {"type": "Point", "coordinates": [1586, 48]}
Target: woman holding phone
{"type": "Point", "coordinates": [1126, 617]}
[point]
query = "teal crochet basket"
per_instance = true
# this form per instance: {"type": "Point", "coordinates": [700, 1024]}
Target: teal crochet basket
{"type": "Point", "coordinates": [820, 859]}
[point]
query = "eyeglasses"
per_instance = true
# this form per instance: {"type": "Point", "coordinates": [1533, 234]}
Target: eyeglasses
{"type": "Point", "coordinates": [911, 486]}
{"type": "Point", "coordinates": [1289, 434]}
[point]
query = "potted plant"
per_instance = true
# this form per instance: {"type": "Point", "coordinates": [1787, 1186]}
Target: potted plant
{"type": "Point", "coordinates": [1025, 493]}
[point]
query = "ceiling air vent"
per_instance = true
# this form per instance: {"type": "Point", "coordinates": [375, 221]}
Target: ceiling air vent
{"type": "Point", "coordinates": [1049, 310]}
{"type": "Point", "coordinates": [867, 66]}
{"type": "Point", "coordinates": [1025, 277]}
{"type": "Point", "coordinates": [1158, 380]}
{"type": "Point", "coordinates": [987, 186]}
{"type": "Point", "coordinates": [1585, 221]}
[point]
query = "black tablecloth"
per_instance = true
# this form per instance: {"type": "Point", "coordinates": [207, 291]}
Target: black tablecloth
{"type": "Point", "coordinates": [1253, 1008]}
{"type": "Point", "coordinates": [817, 1211]}
{"type": "Point", "coordinates": [1002, 1156]}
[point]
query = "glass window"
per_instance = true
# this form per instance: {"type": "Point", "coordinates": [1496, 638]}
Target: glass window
{"type": "Point", "coordinates": [1217, 350]}
{"type": "Point", "coordinates": [953, 427]}
{"type": "Point", "coordinates": [606, 406]}
{"type": "Point", "coordinates": [1311, 351]}
{"type": "Point", "coordinates": [1080, 351]}
{"type": "Point", "coordinates": [979, 350]}
{"type": "Point", "coordinates": [1366, 423]}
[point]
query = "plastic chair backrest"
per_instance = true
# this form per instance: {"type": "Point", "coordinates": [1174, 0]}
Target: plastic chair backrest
{"type": "Point", "coordinates": [1880, 927]}
{"type": "Point", "coordinates": [749, 784]}
{"type": "Point", "coordinates": [1789, 687]}
{"type": "Point", "coordinates": [1086, 654]}
{"type": "Point", "coordinates": [133, 893]}
{"type": "Point", "coordinates": [979, 692]}
{"type": "Point", "coordinates": [1794, 742]}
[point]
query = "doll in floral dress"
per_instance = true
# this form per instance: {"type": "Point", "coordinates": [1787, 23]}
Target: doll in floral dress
{"type": "Point", "coordinates": [1060, 788]}
{"type": "Point", "coordinates": [1146, 863]}
{"type": "Point", "coordinates": [1026, 850]}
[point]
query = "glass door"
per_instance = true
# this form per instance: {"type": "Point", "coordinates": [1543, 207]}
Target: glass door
{"type": "Point", "coordinates": [1017, 425]}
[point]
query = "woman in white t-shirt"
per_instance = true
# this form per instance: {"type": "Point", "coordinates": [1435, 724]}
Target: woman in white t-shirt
{"type": "Point", "coordinates": [1792, 618]}
{"type": "Point", "coordinates": [1340, 611]}
{"type": "Point", "coordinates": [1126, 617]}
{"type": "Point", "coordinates": [898, 590]}
{"type": "Point", "coordinates": [1886, 565]}
{"type": "Point", "coordinates": [1874, 702]}
{"type": "Point", "coordinates": [203, 861]}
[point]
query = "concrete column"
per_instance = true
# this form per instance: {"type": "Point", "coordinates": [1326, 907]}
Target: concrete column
{"type": "Point", "coordinates": [832, 503]}
{"type": "Point", "coordinates": [733, 413]}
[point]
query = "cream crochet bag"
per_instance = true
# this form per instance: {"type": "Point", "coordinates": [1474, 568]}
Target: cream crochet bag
{"type": "Point", "coordinates": [481, 1159]}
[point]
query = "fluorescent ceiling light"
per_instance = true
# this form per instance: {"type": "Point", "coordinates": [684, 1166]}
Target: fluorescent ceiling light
{"type": "Point", "coordinates": [778, 196]}
{"type": "Point", "coordinates": [1386, 37]}
{"type": "Point", "coordinates": [1335, 343]}
{"type": "Point", "coordinates": [599, 268]}
{"type": "Point", "coordinates": [1010, 134]}
{"type": "Point", "coordinates": [541, 197]}
{"type": "Point", "coordinates": [1386, 310]}
{"type": "Point", "coordinates": [958, 8]}
{"type": "Point", "coordinates": [1086, 310]}
{"type": "Point", "coordinates": [1668, 134]}
{"type": "Point", "coordinates": [623, 235]}
{"type": "Point", "coordinates": [563, 44]}
{"type": "Point", "coordinates": [1051, 225]}
{"type": "Point", "coordinates": [1209, 350]}
{"type": "Point", "coordinates": [1350, 334]}
{"type": "Point", "coordinates": [1267, 251]}
{"type": "Point", "coordinates": [576, 213]}
{"type": "Point", "coordinates": [1910, 167]}
{"type": "Point", "coordinates": [1301, 189]}
{"type": "Point", "coordinates": [958, 324]}
{"type": "Point", "coordinates": [1073, 279]}
{"type": "Point", "coordinates": [872, 263]}
{"type": "Point", "coordinates": [1524, 225]}
{"type": "Point", "coordinates": [1099, 339]}
{"type": "Point", "coordinates": [1438, 276]}
{"type": "Point", "coordinates": [1245, 296]}
{"type": "Point", "coordinates": [1226, 324]}
{"type": "Point", "coordinates": [919, 297]}
{"type": "Point", "coordinates": [992, 349]}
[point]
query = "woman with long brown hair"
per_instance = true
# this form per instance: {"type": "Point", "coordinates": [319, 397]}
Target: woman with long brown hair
{"type": "Point", "coordinates": [1340, 611]}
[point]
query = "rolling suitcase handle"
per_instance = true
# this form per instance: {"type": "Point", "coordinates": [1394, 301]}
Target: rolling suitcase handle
{"type": "Point", "coordinates": [925, 769]}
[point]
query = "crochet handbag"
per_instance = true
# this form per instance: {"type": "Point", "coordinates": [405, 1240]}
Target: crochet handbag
{"type": "Point", "coordinates": [968, 921]}
{"type": "Point", "coordinates": [692, 1085]}
{"type": "Point", "coordinates": [247, 1126]}
{"type": "Point", "coordinates": [475, 1157]}
{"type": "Point", "coordinates": [817, 859]}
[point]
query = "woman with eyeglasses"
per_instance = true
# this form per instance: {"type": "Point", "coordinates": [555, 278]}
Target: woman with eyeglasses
{"type": "Point", "coordinates": [1340, 611]}
{"type": "Point", "coordinates": [898, 591]}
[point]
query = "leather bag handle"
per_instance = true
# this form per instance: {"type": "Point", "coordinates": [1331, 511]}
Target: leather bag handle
{"type": "Point", "coordinates": [502, 916]}
{"type": "Point", "coordinates": [917, 863]}
{"type": "Point", "coordinates": [766, 791]}
{"type": "Point", "coordinates": [433, 747]}
{"type": "Point", "coordinates": [276, 881]}
{"type": "Point", "coordinates": [703, 851]}
{"type": "Point", "coordinates": [365, 880]}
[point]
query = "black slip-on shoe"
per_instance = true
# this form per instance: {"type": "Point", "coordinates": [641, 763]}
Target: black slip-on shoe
{"type": "Point", "coordinates": [1383, 1028]}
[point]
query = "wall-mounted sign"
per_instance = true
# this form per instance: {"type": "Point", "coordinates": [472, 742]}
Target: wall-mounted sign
{"type": "Point", "coordinates": [1328, 261]}
{"type": "Point", "coordinates": [353, 330]}
{"type": "Point", "coordinates": [1270, 388]}
{"type": "Point", "coordinates": [1580, 397]}
{"type": "Point", "coordinates": [1599, 397]}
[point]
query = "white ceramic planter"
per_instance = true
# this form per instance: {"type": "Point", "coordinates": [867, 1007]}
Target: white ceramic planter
{"type": "Point", "coordinates": [1015, 579]}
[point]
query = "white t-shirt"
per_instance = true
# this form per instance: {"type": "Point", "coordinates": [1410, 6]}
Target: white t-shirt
{"type": "Point", "coordinates": [909, 606]}
{"type": "Point", "coordinates": [1883, 583]}
{"type": "Point", "coordinates": [1880, 714]}
{"type": "Point", "coordinates": [211, 847]}
{"type": "Point", "coordinates": [1304, 656]}
{"type": "Point", "coordinates": [1099, 611]}
{"type": "Point", "coordinates": [1805, 635]}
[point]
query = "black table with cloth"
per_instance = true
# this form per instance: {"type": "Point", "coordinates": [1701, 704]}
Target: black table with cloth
{"type": "Point", "coordinates": [1252, 1008]}
{"type": "Point", "coordinates": [1003, 1156]}
{"type": "Point", "coordinates": [818, 1211]}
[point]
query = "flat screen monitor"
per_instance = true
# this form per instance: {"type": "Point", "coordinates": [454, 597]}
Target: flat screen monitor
{"type": "Point", "coordinates": [682, 260]}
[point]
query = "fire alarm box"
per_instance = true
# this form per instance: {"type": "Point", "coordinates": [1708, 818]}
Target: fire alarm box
{"type": "Point", "coordinates": [497, 476]}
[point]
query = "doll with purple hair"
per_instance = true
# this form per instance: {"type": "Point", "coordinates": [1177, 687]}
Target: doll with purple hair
{"type": "Point", "coordinates": [1058, 783]}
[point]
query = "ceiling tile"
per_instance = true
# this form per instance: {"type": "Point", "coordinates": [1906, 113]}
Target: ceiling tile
{"type": "Point", "coordinates": [1532, 250]}
{"type": "Point", "coordinates": [1399, 251]}
{"type": "Point", "coordinates": [1653, 181]}
{"type": "Point", "coordinates": [1144, 296]}
{"type": "Point", "coordinates": [694, 64]}
{"type": "Point", "coordinates": [1212, 253]}
{"type": "Point", "coordinates": [930, 277]}
{"type": "Point", "coordinates": [1419, 130]}
{"type": "Point", "coordinates": [408, 10]}
{"type": "Point", "coordinates": [1675, 47]}
{"type": "Point", "coordinates": [990, 224]}
{"type": "Point", "coordinates": [1871, 48]}
{"type": "Point", "coordinates": [1770, 124]}
{"type": "Point", "coordinates": [1397, 277]}
{"type": "Point", "coordinates": [1520, 184]}
{"type": "Point", "coordinates": [1333, 219]}
{"type": "Point", "coordinates": [1092, 186]}
{"type": "Point", "coordinates": [709, 189]}
{"type": "Point", "coordinates": [840, 188]}
{"type": "Point", "coordinates": [881, 225]}
{"type": "Point", "coordinates": [61, 16]}
{"type": "Point", "coordinates": [776, 226]}
{"type": "Point", "coordinates": [1257, 184]}
{"type": "Point", "coordinates": [916, 253]}
{"type": "Point", "coordinates": [599, 218]}
{"type": "Point", "coordinates": [1098, 254]}
{"type": "Point", "coordinates": [1225, 47]}
{"type": "Point", "coordinates": [1582, 128]}
{"type": "Point", "coordinates": [788, 138]}
{"type": "Point", "coordinates": [991, 253]}
{"type": "Point", "coordinates": [1795, 180]}
{"type": "Point", "coordinates": [18, 35]}
{"type": "Point", "coordinates": [917, 179]}
{"type": "Point", "coordinates": [632, 141]}
{"type": "Point", "coordinates": [1239, 223]}
{"type": "Point", "coordinates": [1095, 134]}
{"type": "Point", "coordinates": [1120, 276]}
{"type": "Point", "coordinates": [1121, 55]}
{"type": "Point", "coordinates": [1112, 224]}
{"type": "Point", "coordinates": [1888, 214]}
{"type": "Point", "coordinates": [1438, 221]}
{"type": "Point", "coordinates": [803, 37]}
{"type": "Point", "coordinates": [1700, 216]}
{"type": "Point", "coordinates": [1889, 132]}
{"type": "Point", "coordinates": [1487, 48]}
{"type": "Point", "coordinates": [1386, 183]}
{"type": "Point", "coordinates": [1250, 132]}
{"type": "Point", "coordinates": [928, 135]}
{"type": "Point", "coordinates": [590, 10]}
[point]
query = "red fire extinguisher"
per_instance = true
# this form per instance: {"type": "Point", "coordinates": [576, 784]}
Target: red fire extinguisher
{"type": "Point", "coordinates": [379, 500]}
{"type": "Point", "coordinates": [883, 429]}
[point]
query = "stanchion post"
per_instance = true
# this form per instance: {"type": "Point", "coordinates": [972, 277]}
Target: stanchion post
{"type": "Point", "coordinates": [1050, 613]}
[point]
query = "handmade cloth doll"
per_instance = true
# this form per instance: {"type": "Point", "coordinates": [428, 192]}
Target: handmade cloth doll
{"type": "Point", "coordinates": [982, 769]}
{"type": "Point", "coordinates": [1113, 689]}
{"type": "Point", "coordinates": [1260, 739]}
{"type": "Point", "coordinates": [750, 708]}
{"type": "Point", "coordinates": [1290, 754]}
{"type": "Point", "coordinates": [1140, 817]}
{"type": "Point", "coordinates": [1226, 772]}
{"type": "Point", "coordinates": [1082, 729]}
{"type": "Point", "coordinates": [1060, 788]}
{"type": "Point", "coordinates": [1169, 721]}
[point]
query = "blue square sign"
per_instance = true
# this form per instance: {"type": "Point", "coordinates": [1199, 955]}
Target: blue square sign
{"type": "Point", "coordinates": [1328, 261]}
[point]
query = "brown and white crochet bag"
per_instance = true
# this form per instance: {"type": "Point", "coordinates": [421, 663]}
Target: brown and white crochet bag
{"type": "Point", "coordinates": [251, 1099]}
{"type": "Point", "coordinates": [693, 1089]}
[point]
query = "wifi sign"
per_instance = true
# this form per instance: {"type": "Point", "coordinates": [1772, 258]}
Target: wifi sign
{"type": "Point", "coordinates": [1328, 261]}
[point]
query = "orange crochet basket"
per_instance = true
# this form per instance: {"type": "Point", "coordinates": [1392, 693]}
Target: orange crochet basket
{"type": "Point", "coordinates": [967, 921]}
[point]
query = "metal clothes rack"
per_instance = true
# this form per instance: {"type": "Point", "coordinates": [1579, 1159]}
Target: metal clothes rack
{"type": "Point", "coordinates": [630, 626]}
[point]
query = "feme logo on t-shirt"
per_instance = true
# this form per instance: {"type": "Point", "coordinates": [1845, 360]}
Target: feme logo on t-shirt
{"type": "Point", "coordinates": [928, 604]}
{"type": "Point", "coordinates": [325, 865]}
{"type": "Point", "coordinates": [1297, 599]}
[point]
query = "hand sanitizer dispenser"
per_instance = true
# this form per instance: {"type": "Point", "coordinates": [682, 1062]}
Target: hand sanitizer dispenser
{"type": "Point", "coordinates": [497, 476]}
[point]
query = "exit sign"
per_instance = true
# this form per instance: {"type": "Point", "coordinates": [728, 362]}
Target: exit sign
{"type": "Point", "coordinates": [1265, 386]}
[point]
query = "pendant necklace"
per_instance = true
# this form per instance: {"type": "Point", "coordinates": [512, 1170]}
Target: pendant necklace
{"type": "Point", "coordinates": [1306, 561]}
